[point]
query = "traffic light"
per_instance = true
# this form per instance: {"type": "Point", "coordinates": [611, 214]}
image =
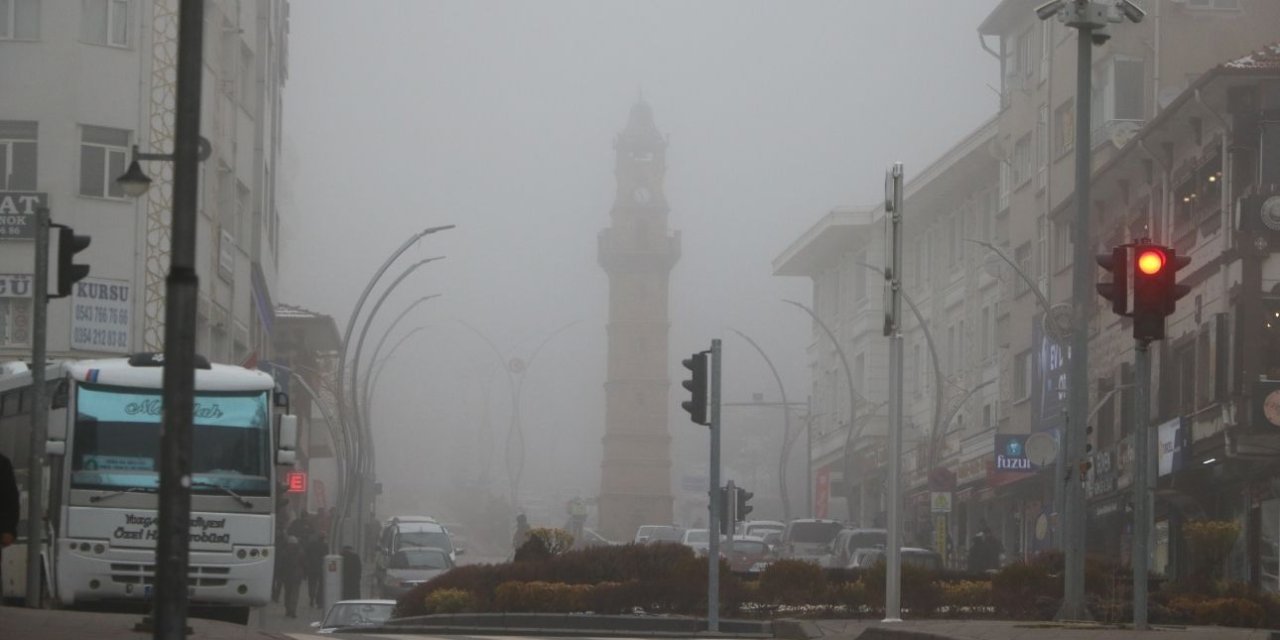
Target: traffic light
{"type": "Point", "coordinates": [725, 497]}
{"type": "Point", "coordinates": [69, 244]}
{"type": "Point", "coordinates": [697, 386]}
{"type": "Point", "coordinates": [1155, 288]}
{"type": "Point", "coordinates": [1117, 291]}
{"type": "Point", "coordinates": [743, 508]}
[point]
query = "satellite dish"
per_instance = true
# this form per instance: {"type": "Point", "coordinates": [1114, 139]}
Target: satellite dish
{"type": "Point", "coordinates": [1042, 449]}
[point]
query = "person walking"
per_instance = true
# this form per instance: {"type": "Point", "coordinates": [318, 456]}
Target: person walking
{"type": "Point", "coordinates": [9, 501]}
{"type": "Point", "coordinates": [292, 568]}
{"type": "Point", "coordinates": [351, 573]}
{"type": "Point", "coordinates": [313, 556]}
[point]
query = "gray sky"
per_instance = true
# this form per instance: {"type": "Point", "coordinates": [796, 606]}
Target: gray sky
{"type": "Point", "coordinates": [499, 117]}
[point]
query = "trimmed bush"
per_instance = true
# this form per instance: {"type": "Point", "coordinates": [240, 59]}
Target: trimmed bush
{"type": "Point", "coordinates": [966, 596]}
{"type": "Point", "coordinates": [921, 594]}
{"type": "Point", "coordinates": [448, 601]}
{"type": "Point", "coordinates": [793, 582]}
{"type": "Point", "coordinates": [1025, 591]}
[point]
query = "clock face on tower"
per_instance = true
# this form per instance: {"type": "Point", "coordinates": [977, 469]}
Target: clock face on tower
{"type": "Point", "coordinates": [640, 195]}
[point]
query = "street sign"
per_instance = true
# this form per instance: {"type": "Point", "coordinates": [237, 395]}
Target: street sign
{"type": "Point", "coordinates": [940, 502]}
{"type": "Point", "coordinates": [297, 481]}
{"type": "Point", "coordinates": [18, 214]}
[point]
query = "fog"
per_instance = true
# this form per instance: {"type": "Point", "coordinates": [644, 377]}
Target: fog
{"type": "Point", "coordinates": [499, 117]}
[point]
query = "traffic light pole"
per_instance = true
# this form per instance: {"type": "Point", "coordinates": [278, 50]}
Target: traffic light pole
{"type": "Point", "coordinates": [713, 554]}
{"type": "Point", "coordinates": [1142, 480]}
{"type": "Point", "coordinates": [39, 410]}
{"type": "Point", "coordinates": [893, 328]}
{"type": "Point", "coordinates": [732, 512]}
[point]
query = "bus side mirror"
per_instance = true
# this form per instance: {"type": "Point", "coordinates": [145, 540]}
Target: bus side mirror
{"type": "Point", "coordinates": [288, 442]}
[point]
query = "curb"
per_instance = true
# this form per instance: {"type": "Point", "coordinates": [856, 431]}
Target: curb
{"type": "Point", "coordinates": [891, 633]}
{"type": "Point", "coordinates": [576, 625]}
{"type": "Point", "coordinates": [794, 629]}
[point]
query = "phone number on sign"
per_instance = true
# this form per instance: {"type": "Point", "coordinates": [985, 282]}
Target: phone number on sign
{"type": "Point", "coordinates": [101, 337]}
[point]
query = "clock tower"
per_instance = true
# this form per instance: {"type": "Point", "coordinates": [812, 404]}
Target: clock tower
{"type": "Point", "coordinates": [637, 252]}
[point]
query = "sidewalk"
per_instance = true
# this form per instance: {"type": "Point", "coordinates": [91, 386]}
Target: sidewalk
{"type": "Point", "coordinates": [1014, 630]}
{"type": "Point", "coordinates": [40, 624]}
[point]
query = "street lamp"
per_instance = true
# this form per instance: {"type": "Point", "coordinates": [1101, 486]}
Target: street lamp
{"type": "Point", "coordinates": [136, 182]}
{"type": "Point", "coordinates": [786, 428]}
{"type": "Point", "coordinates": [1090, 18]}
{"type": "Point", "coordinates": [367, 388]}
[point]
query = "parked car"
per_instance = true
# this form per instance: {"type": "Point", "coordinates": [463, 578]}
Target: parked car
{"type": "Point", "coordinates": [410, 567]}
{"type": "Point", "coordinates": [650, 533]}
{"type": "Point", "coordinates": [848, 541]}
{"type": "Point", "coordinates": [759, 528]}
{"type": "Point", "coordinates": [911, 557]}
{"type": "Point", "coordinates": [747, 554]}
{"type": "Point", "coordinates": [355, 613]}
{"type": "Point", "coordinates": [697, 539]}
{"type": "Point", "coordinates": [403, 532]}
{"type": "Point", "coordinates": [809, 539]}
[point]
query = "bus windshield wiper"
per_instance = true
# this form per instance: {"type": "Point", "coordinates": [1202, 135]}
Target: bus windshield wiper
{"type": "Point", "coordinates": [104, 496]}
{"type": "Point", "coordinates": [239, 498]}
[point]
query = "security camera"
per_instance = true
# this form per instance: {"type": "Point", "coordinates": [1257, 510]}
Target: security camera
{"type": "Point", "coordinates": [1133, 12]}
{"type": "Point", "coordinates": [1049, 9]}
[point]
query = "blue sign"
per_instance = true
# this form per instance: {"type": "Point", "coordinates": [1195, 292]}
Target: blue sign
{"type": "Point", "coordinates": [1011, 453]}
{"type": "Point", "coordinates": [1050, 361]}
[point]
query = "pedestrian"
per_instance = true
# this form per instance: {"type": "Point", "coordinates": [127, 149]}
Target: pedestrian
{"type": "Point", "coordinates": [994, 550]}
{"type": "Point", "coordinates": [313, 556]}
{"type": "Point", "coordinates": [293, 569]}
{"type": "Point", "coordinates": [977, 551]}
{"type": "Point", "coordinates": [301, 528]}
{"type": "Point", "coordinates": [8, 503]}
{"type": "Point", "coordinates": [351, 568]}
{"type": "Point", "coordinates": [277, 574]}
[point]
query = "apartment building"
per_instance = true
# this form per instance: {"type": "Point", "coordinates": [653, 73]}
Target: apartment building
{"type": "Point", "coordinates": [86, 80]}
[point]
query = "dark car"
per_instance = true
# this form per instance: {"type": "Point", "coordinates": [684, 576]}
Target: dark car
{"type": "Point", "coordinates": [911, 557]}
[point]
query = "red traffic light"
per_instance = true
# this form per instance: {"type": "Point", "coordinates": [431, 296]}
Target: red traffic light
{"type": "Point", "coordinates": [1151, 261]}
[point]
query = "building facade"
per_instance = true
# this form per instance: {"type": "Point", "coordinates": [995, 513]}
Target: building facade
{"type": "Point", "coordinates": [1180, 155]}
{"type": "Point", "coordinates": [637, 252]}
{"type": "Point", "coordinates": [83, 83]}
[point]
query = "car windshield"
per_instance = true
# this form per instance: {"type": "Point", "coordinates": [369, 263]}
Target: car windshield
{"type": "Point", "coordinates": [420, 559]}
{"type": "Point", "coordinates": [437, 539]}
{"type": "Point", "coordinates": [117, 440]}
{"type": "Point", "coordinates": [700, 535]}
{"type": "Point", "coordinates": [813, 532]}
{"type": "Point", "coordinates": [355, 614]}
{"type": "Point", "coordinates": [867, 539]}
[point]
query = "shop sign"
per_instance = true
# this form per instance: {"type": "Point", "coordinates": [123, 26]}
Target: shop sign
{"type": "Point", "coordinates": [1102, 474]}
{"type": "Point", "coordinates": [1171, 450]}
{"type": "Point", "coordinates": [101, 312]}
{"type": "Point", "coordinates": [1011, 454]}
{"type": "Point", "coordinates": [18, 214]}
{"type": "Point", "coordinates": [940, 502]}
{"type": "Point", "coordinates": [972, 470]}
{"type": "Point", "coordinates": [1050, 362]}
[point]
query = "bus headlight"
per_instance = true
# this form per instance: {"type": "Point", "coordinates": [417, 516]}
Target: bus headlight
{"type": "Point", "coordinates": [241, 554]}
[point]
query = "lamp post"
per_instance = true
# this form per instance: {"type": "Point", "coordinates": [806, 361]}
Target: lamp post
{"type": "Point", "coordinates": [515, 369]}
{"type": "Point", "coordinates": [786, 427]}
{"type": "Point", "coordinates": [855, 399]}
{"type": "Point", "coordinates": [363, 442]}
{"type": "Point", "coordinates": [1090, 19]}
{"type": "Point", "coordinates": [377, 349]}
{"type": "Point", "coordinates": [181, 289]}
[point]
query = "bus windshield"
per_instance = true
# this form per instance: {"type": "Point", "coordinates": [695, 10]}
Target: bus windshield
{"type": "Point", "coordinates": [117, 440]}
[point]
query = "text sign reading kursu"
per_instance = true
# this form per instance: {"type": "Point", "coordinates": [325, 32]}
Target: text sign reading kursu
{"type": "Point", "coordinates": [101, 314]}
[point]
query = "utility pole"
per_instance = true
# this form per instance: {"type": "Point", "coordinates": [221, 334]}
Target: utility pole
{"type": "Point", "coordinates": [1089, 18]}
{"type": "Point", "coordinates": [39, 409]}
{"type": "Point", "coordinates": [893, 329]}
{"type": "Point", "coordinates": [713, 554]}
{"type": "Point", "coordinates": [1142, 480]}
{"type": "Point", "coordinates": [182, 287]}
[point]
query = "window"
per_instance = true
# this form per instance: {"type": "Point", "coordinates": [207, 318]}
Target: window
{"type": "Point", "coordinates": [1062, 247]}
{"type": "Point", "coordinates": [248, 79]}
{"type": "Point", "coordinates": [1022, 256]}
{"type": "Point", "coordinates": [19, 19]}
{"type": "Point", "coordinates": [1046, 47]}
{"type": "Point", "coordinates": [986, 416]}
{"type": "Point", "coordinates": [1022, 376]}
{"type": "Point", "coordinates": [17, 155]}
{"type": "Point", "coordinates": [1213, 4]}
{"type": "Point", "coordinates": [1006, 183]}
{"type": "Point", "coordinates": [984, 341]}
{"type": "Point", "coordinates": [1119, 95]}
{"type": "Point", "coordinates": [15, 320]}
{"type": "Point", "coordinates": [105, 22]}
{"type": "Point", "coordinates": [1042, 145]}
{"type": "Point", "coordinates": [103, 154]}
{"type": "Point", "coordinates": [951, 241]}
{"type": "Point", "coordinates": [1022, 161]}
{"type": "Point", "coordinates": [1064, 127]}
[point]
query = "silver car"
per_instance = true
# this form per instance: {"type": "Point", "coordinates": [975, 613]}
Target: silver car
{"type": "Point", "coordinates": [410, 567]}
{"type": "Point", "coordinates": [355, 613]}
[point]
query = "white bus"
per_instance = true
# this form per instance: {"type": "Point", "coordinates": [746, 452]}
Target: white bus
{"type": "Point", "coordinates": [102, 478]}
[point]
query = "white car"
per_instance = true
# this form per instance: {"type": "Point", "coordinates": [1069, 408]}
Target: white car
{"type": "Point", "coordinates": [697, 539]}
{"type": "Point", "coordinates": [355, 613]}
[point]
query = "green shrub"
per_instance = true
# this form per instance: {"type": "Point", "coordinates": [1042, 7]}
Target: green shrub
{"type": "Point", "coordinates": [965, 594]}
{"type": "Point", "coordinates": [921, 594]}
{"type": "Point", "coordinates": [448, 601]}
{"type": "Point", "coordinates": [1024, 591]}
{"type": "Point", "coordinates": [853, 596]}
{"type": "Point", "coordinates": [793, 582]}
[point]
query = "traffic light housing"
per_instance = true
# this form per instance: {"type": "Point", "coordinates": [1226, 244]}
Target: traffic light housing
{"type": "Point", "coordinates": [69, 273]}
{"type": "Point", "coordinates": [743, 509]}
{"type": "Point", "coordinates": [1155, 288]}
{"type": "Point", "coordinates": [725, 525]}
{"type": "Point", "coordinates": [697, 386]}
{"type": "Point", "coordinates": [1117, 291]}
